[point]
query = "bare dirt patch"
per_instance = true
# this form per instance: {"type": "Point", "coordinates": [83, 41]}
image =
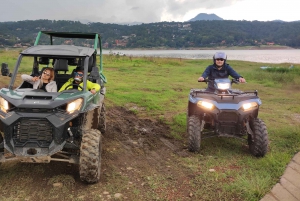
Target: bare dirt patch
{"type": "Point", "coordinates": [142, 152]}
{"type": "Point", "coordinates": [139, 162]}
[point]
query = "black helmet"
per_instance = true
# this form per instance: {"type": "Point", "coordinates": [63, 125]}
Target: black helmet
{"type": "Point", "coordinates": [219, 55]}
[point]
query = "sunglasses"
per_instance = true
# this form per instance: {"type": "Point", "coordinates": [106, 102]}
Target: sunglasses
{"type": "Point", "coordinates": [79, 74]}
{"type": "Point", "coordinates": [220, 59]}
{"type": "Point", "coordinates": [46, 73]}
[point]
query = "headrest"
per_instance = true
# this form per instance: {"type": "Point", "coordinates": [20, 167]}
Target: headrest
{"type": "Point", "coordinates": [90, 64]}
{"type": "Point", "coordinates": [44, 60]}
{"type": "Point", "coordinates": [72, 62]}
{"type": "Point", "coordinates": [61, 65]}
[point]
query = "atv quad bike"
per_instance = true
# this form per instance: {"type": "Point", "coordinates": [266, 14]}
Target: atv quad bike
{"type": "Point", "coordinates": [38, 126]}
{"type": "Point", "coordinates": [226, 112]}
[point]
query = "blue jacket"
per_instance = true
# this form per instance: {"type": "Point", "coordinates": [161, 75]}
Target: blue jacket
{"type": "Point", "coordinates": [212, 73]}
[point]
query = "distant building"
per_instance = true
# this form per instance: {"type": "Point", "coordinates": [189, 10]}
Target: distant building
{"type": "Point", "coordinates": [121, 43]}
{"type": "Point", "coordinates": [186, 25]}
{"type": "Point", "coordinates": [18, 45]}
{"type": "Point", "coordinates": [105, 45]}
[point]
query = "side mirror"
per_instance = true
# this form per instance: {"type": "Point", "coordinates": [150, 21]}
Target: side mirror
{"type": "Point", "coordinates": [5, 70]}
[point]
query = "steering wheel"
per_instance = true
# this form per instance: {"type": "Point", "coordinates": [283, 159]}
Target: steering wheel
{"type": "Point", "coordinates": [73, 84]}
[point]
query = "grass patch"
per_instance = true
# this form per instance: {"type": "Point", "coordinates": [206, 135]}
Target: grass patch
{"type": "Point", "coordinates": [158, 88]}
{"type": "Point", "coordinates": [164, 92]}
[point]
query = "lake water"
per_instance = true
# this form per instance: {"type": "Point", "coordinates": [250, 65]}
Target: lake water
{"type": "Point", "coordinates": [265, 56]}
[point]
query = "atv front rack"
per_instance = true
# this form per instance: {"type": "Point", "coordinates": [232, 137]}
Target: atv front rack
{"type": "Point", "coordinates": [195, 92]}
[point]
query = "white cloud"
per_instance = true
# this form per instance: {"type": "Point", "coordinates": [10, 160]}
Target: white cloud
{"type": "Point", "coordinates": [261, 10]}
{"type": "Point", "coordinates": [126, 11]}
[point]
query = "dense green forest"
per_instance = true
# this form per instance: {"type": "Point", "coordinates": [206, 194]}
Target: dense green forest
{"type": "Point", "coordinates": [177, 35]}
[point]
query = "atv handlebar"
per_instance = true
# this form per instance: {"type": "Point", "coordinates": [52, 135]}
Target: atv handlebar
{"type": "Point", "coordinates": [205, 80]}
{"type": "Point", "coordinates": [234, 80]}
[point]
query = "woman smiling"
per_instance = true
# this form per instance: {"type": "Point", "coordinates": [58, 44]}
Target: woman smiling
{"type": "Point", "coordinates": [45, 81]}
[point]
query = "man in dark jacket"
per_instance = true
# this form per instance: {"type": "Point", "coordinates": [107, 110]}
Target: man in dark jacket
{"type": "Point", "coordinates": [220, 69]}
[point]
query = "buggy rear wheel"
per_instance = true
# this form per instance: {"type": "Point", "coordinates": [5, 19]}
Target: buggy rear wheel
{"type": "Point", "coordinates": [102, 119]}
{"type": "Point", "coordinates": [90, 156]}
{"type": "Point", "coordinates": [1, 141]}
{"type": "Point", "coordinates": [258, 145]}
{"type": "Point", "coordinates": [1, 149]}
{"type": "Point", "coordinates": [194, 131]}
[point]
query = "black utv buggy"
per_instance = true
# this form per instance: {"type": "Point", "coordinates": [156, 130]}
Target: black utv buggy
{"type": "Point", "coordinates": [38, 126]}
{"type": "Point", "coordinates": [226, 112]}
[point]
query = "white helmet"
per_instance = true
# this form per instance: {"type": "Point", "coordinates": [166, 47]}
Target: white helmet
{"type": "Point", "coordinates": [219, 55]}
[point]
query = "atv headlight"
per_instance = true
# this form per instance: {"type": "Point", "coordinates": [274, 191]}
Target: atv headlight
{"type": "Point", "coordinates": [250, 106]}
{"type": "Point", "coordinates": [205, 104]}
{"type": "Point", "coordinates": [223, 86]}
{"type": "Point", "coordinates": [74, 105]}
{"type": "Point", "coordinates": [4, 105]}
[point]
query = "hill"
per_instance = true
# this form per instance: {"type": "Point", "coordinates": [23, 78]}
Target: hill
{"type": "Point", "coordinates": [165, 35]}
{"type": "Point", "coordinates": [204, 16]}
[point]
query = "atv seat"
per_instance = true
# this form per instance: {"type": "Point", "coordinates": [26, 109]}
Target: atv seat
{"type": "Point", "coordinates": [60, 69]}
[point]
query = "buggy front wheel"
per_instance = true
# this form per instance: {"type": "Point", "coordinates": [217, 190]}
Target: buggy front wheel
{"type": "Point", "coordinates": [90, 156]}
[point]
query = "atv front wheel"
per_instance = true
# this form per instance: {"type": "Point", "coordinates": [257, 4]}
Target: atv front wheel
{"type": "Point", "coordinates": [194, 131]}
{"type": "Point", "coordinates": [90, 156]}
{"type": "Point", "coordinates": [258, 145]}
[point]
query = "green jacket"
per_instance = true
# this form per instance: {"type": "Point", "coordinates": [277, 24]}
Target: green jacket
{"type": "Point", "coordinates": [90, 85]}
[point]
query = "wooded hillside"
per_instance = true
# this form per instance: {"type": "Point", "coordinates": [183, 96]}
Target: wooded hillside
{"type": "Point", "coordinates": [162, 34]}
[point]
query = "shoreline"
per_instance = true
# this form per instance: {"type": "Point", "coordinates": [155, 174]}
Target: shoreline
{"type": "Point", "coordinates": [264, 47]}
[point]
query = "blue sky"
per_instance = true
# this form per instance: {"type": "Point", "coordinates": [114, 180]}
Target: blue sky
{"type": "Point", "coordinates": [147, 11]}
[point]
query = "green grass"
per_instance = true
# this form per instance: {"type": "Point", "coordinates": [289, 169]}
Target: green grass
{"type": "Point", "coordinates": [159, 88]}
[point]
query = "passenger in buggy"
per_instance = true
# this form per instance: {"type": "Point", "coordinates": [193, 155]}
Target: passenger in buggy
{"type": "Point", "coordinates": [44, 82]}
{"type": "Point", "coordinates": [76, 83]}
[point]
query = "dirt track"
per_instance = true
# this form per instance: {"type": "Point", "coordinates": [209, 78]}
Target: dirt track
{"type": "Point", "coordinates": [139, 162]}
{"type": "Point", "coordinates": [141, 149]}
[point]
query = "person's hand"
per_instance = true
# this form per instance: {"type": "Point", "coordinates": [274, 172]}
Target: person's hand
{"type": "Point", "coordinates": [93, 91]}
{"type": "Point", "coordinates": [200, 79]}
{"type": "Point", "coordinates": [242, 80]}
{"type": "Point", "coordinates": [35, 78]}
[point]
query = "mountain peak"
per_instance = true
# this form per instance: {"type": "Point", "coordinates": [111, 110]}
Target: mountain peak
{"type": "Point", "coordinates": [205, 16]}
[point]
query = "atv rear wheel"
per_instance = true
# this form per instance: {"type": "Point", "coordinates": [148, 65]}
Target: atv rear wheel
{"type": "Point", "coordinates": [102, 119]}
{"type": "Point", "coordinates": [258, 145]}
{"type": "Point", "coordinates": [194, 131]}
{"type": "Point", "coordinates": [90, 156]}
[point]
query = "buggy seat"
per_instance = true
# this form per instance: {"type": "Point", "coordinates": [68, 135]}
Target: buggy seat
{"type": "Point", "coordinates": [61, 69]}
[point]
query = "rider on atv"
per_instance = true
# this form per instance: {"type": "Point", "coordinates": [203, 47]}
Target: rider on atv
{"type": "Point", "coordinates": [220, 69]}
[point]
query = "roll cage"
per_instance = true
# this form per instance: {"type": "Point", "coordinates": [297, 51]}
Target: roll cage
{"type": "Point", "coordinates": [79, 35]}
